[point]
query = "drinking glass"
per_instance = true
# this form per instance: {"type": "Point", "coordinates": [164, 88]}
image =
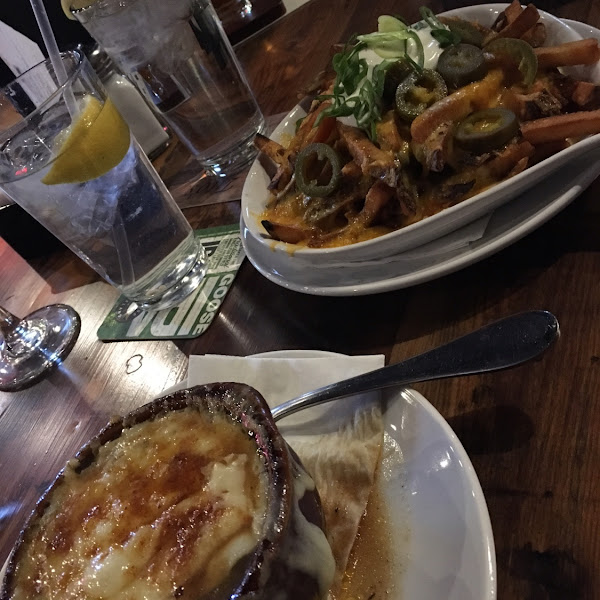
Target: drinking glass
{"type": "Point", "coordinates": [179, 55]}
{"type": "Point", "coordinates": [68, 158]}
{"type": "Point", "coordinates": [241, 18]}
{"type": "Point", "coordinates": [32, 347]}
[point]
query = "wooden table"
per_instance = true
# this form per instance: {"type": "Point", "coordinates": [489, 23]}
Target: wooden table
{"type": "Point", "coordinates": [532, 432]}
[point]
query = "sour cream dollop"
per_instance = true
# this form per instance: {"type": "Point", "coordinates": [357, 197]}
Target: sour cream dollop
{"type": "Point", "coordinates": [431, 50]}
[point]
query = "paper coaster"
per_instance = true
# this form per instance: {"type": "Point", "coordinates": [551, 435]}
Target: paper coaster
{"type": "Point", "coordinates": [192, 317]}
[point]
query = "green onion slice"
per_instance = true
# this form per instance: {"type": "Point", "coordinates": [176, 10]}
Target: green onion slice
{"type": "Point", "coordinates": [392, 44]}
{"type": "Point", "coordinates": [430, 18]}
{"type": "Point", "coordinates": [387, 24]}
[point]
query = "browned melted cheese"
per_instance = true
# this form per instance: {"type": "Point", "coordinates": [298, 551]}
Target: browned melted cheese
{"type": "Point", "coordinates": [290, 209]}
{"type": "Point", "coordinates": [173, 502]}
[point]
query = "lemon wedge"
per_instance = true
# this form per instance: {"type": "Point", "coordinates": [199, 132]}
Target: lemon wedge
{"type": "Point", "coordinates": [93, 145]}
{"type": "Point", "coordinates": [69, 5]}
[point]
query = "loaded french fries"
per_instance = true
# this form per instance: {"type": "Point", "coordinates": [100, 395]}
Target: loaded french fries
{"type": "Point", "coordinates": [414, 119]}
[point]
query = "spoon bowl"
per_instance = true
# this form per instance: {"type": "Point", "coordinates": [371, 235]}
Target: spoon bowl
{"type": "Point", "coordinates": [505, 343]}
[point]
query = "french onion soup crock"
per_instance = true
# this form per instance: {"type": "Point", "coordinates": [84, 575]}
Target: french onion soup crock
{"type": "Point", "coordinates": [195, 496]}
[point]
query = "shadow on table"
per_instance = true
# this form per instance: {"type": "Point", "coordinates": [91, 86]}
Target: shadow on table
{"type": "Point", "coordinates": [553, 573]}
{"type": "Point", "coordinates": [493, 429]}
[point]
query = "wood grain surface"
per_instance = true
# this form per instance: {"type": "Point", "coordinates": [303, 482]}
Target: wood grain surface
{"type": "Point", "coordinates": [532, 432]}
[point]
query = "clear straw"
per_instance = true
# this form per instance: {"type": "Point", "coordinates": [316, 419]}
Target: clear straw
{"type": "Point", "coordinates": [53, 52]}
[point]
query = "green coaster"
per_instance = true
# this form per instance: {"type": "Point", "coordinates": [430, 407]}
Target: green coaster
{"type": "Point", "coordinates": [192, 317]}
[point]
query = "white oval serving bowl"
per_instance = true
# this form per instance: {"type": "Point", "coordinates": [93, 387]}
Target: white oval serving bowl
{"type": "Point", "coordinates": [255, 194]}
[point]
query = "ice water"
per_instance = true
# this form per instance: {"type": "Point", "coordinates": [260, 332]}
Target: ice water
{"type": "Point", "coordinates": [123, 223]}
{"type": "Point", "coordinates": [180, 56]}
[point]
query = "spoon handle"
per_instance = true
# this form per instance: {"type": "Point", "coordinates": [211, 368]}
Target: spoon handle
{"type": "Point", "coordinates": [502, 344]}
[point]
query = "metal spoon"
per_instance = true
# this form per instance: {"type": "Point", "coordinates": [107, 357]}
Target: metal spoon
{"type": "Point", "coordinates": [505, 343]}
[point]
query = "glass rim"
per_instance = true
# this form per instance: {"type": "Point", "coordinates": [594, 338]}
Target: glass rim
{"type": "Point", "coordinates": [99, 8]}
{"type": "Point", "coordinates": [79, 60]}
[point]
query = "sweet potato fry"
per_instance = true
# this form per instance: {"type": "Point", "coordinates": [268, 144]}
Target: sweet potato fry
{"type": "Point", "coordinates": [433, 153]}
{"type": "Point", "coordinates": [373, 161]}
{"type": "Point", "coordinates": [292, 234]}
{"type": "Point", "coordinates": [281, 179]}
{"type": "Point", "coordinates": [456, 106]}
{"type": "Point", "coordinates": [508, 15]}
{"type": "Point", "coordinates": [482, 29]}
{"type": "Point", "coordinates": [509, 158]}
{"type": "Point", "coordinates": [276, 152]}
{"type": "Point", "coordinates": [307, 126]}
{"type": "Point", "coordinates": [522, 23]}
{"type": "Point", "coordinates": [512, 11]}
{"type": "Point", "coordinates": [278, 155]}
{"type": "Point", "coordinates": [519, 167]}
{"type": "Point", "coordinates": [388, 136]}
{"type": "Point", "coordinates": [351, 171]}
{"type": "Point", "coordinates": [581, 52]}
{"type": "Point", "coordinates": [323, 130]}
{"type": "Point", "coordinates": [536, 36]}
{"type": "Point", "coordinates": [377, 197]}
{"type": "Point", "coordinates": [553, 129]}
{"type": "Point", "coordinates": [583, 92]}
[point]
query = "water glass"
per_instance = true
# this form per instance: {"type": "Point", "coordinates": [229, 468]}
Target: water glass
{"type": "Point", "coordinates": [68, 158]}
{"type": "Point", "coordinates": [179, 54]}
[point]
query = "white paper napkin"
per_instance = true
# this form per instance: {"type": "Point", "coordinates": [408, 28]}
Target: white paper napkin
{"type": "Point", "coordinates": [20, 54]}
{"type": "Point", "coordinates": [288, 375]}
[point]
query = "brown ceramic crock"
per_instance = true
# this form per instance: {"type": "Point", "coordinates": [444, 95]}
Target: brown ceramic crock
{"type": "Point", "coordinates": [273, 569]}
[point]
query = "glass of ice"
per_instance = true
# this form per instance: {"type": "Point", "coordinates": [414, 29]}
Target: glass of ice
{"type": "Point", "coordinates": [68, 158]}
{"type": "Point", "coordinates": [178, 53]}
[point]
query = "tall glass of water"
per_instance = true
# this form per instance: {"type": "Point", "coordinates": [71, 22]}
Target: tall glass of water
{"type": "Point", "coordinates": [68, 158]}
{"type": "Point", "coordinates": [180, 56]}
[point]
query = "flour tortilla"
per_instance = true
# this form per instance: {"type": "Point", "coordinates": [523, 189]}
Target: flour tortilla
{"type": "Point", "coordinates": [343, 465]}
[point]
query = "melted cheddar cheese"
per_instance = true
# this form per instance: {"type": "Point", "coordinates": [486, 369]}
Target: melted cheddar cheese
{"type": "Point", "coordinates": [166, 509]}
